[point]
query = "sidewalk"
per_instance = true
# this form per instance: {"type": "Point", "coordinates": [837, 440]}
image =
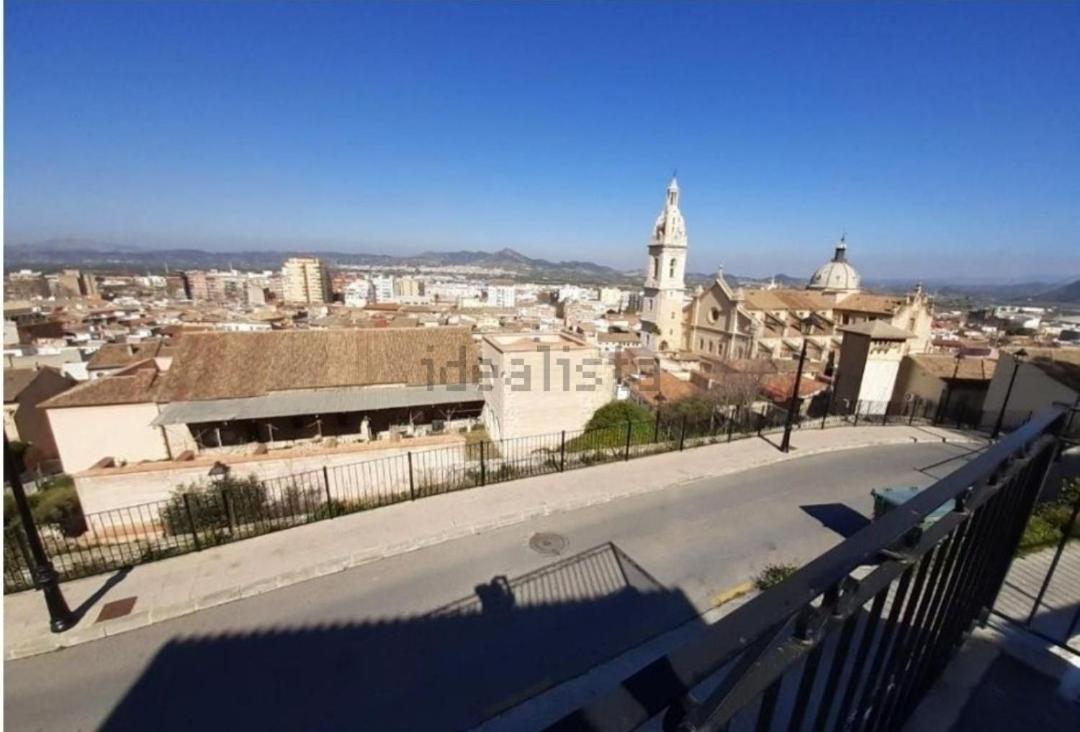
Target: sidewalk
{"type": "Point", "coordinates": [182, 585]}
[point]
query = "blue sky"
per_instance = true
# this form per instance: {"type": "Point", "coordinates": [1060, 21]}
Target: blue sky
{"type": "Point", "coordinates": [944, 138]}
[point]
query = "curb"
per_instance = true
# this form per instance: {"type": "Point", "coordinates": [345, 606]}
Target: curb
{"type": "Point", "coordinates": [45, 644]}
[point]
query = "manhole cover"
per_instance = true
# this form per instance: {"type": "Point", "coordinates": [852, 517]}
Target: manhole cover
{"type": "Point", "coordinates": [547, 542]}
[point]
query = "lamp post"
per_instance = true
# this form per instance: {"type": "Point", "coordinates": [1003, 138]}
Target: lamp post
{"type": "Point", "coordinates": [45, 577]}
{"type": "Point", "coordinates": [785, 443]}
{"type": "Point", "coordinates": [1018, 357]}
{"type": "Point", "coordinates": [219, 472]}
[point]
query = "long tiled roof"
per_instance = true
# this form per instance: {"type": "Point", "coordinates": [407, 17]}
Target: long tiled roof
{"type": "Point", "coordinates": [237, 365]}
{"type": "Point", "coordinates": [136, 384]}
{"type": "Point", "coordinates": [945, 366]}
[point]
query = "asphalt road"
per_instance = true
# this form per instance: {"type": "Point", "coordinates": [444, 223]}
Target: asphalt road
{"type": "Point", "coordinates": [360, 649]}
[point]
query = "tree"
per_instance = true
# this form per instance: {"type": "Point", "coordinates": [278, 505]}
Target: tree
{"type": "Point", "coordinates": [618, 413]}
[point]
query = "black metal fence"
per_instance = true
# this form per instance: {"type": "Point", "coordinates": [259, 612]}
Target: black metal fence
{"type": "Point", "coordinates": [854, 639]}
{"type": "Point", "coordinates": [241, 508]}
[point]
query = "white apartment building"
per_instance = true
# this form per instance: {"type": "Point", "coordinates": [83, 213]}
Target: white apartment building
{"type": "Point", "coordinates": [501, 296]}
{"type": "Point", "coordinates": [382, 288]}
{"type": "Point", "coordinates": [357, 293]}
{"type": "Point", "coordinates": [307, 280]}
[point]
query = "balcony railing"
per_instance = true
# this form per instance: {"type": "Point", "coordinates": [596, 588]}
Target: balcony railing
{"type": "Point", "coordinates": [855, 638]}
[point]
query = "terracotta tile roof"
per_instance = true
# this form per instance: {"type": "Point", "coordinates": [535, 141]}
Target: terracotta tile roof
{"type": "Point", "coordinates": [119, 355]}
{"type": "Point", "coordinates": [1060, 364]}
{"type": "Point", "coordinates": [136, 384]}
{"type": "Point", "coordinates": [15, 380]}
{"type": "Point", "coordinates": [672, 388]}
{"type": "Point", "coordinates": [865, 302]}
{"type": "Point", "coordinates": [779, 387]}
{"type": "Point", "coordinates": [944, 366]}
{"type": "Point", "coordinates": [235, 365]}
{"type": "Point", "coordinates": [788, 299]}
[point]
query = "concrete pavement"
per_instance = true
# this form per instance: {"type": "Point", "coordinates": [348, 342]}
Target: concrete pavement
{"type": "Point", "coordinates": [181, 585]}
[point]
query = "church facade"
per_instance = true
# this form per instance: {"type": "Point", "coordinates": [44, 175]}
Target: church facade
{"type": "Point", "coordinates": [662, 320]}
{"type": "Point", "coordinates": [726, 322]}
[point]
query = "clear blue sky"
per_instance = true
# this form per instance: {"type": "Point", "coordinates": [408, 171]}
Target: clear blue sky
{"type": "Point", "coordinates": [945, 139]}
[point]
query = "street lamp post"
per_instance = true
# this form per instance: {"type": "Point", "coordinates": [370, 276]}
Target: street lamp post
{"type": "Point", "coordinates": [45, 577]}
{"type": "Point", "coordinates": [785, 443]}
{"type": "Point", "coordinates": [1018, 357]}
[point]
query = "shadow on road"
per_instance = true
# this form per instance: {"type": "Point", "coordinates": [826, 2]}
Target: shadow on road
{"type": "Point", "coordinates": [837, 517]}
{"type": "Point", "coordinates": [449, 669]}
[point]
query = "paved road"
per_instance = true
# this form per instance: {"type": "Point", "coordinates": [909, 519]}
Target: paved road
{"type": "Point", "coordinates": [356, 649]}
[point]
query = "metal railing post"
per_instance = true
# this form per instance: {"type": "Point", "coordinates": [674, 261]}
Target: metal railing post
{"type": "Point", "coordinates": [856, 415]}
{"type": "Point", "coordinates": [731, 425]}
{"type": "Point", "coordinates": [230, 516]}
{"type": "Point", "coordinates": [914, 406]}
{"type": "Point", "coordinates": [562, 452]}
{"type": "Point", "coordinates": [656, 427]}
{"type": "Point", "coordinates": [483, 465]}
{"type": "Point", "coordinates": [682, 433]}
{"type": "Point", "coordinates": [629, 430]}
{"type": "Point", "coordinates": [412, 483]}
{"type": "Point", "coordinates": [326, 485]}
{"type": "Point", "coordinates": [191, 521]}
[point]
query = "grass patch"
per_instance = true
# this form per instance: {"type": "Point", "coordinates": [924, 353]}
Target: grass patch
{"type": "Point", "coordinates": [774, 574]}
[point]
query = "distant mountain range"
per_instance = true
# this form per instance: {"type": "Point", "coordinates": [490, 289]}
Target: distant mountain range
{"type": "Point", "coordinates": [88, 254]}
{"type": "Point", "coordinates": [54, 254]}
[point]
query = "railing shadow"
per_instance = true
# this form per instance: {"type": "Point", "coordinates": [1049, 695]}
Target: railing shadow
{"type": "Point", "coordinates": [86, 605]}
{"type": "Point", "coordinates": [449, 669]}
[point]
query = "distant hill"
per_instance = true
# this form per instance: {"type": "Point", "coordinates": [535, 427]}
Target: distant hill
{"type": "Point", "coordinates": [1070, 293]}
{"type": "Point", "coordinates": [54, 254]}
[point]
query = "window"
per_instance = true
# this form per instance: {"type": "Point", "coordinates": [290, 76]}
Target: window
{"type": "Point", "coordinates": [655, 267]}
{"type": "Point", "coordinates": [671, 268]}
{"type": "Point", "coordinates": [714, 314]}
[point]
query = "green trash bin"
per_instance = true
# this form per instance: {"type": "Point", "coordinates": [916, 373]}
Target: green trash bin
{"type": "Point", "coordinates": [886, 499]}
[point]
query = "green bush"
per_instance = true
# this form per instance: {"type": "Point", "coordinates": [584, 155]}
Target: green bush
{"type": "Point", "coordinates": [617, 414]}
{"type": "Point", "coordinates": [774, 574]}
{"type": "Point", "coordinates": [607, 427]}
{"type": "Point", "coordinates": [55, 504]}
{"type": "Point", "coordinates": [1050, 519]}
{"type": "Point", "coordinates": [247, 497]}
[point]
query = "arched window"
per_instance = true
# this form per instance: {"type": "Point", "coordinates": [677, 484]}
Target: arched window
{"type": "Point", "coordinates": [655, 267]}
{"type": "Point", "coordinates": [671, 268]}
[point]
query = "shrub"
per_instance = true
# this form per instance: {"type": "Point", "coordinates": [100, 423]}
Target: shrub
{"type": "Point", "coordinates": [58, 505]}
{"type": "Point", "coordinates": [247, 497]}
{"type": "Point", "coordinates": [774, 574]}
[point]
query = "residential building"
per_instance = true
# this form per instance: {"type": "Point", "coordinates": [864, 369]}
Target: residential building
{"type": "Point", "coordinates": [382, 288]}
{"type": "Point", "coordinates": [24, 390]}
{"type": "Point", "coordinates": [501, 296]}
{"type": "Point", "coordinates": [1044, 376]}
{"type": "Point", "coordinates": [955, 381]}
{"type": "Point", "coordinates": [356, 293]}
{"type": "Point", "coordinates": [307, 280]}
{"type": "Point", "coordinates": [408, 288]}
{"type": "Point", "coordinates": [662, 311]}
{"type": "Point", "coordinates": [196, 285]}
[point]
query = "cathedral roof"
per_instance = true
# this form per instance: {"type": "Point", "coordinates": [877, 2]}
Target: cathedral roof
{"type": "Point", "coordinates": [836, 275]}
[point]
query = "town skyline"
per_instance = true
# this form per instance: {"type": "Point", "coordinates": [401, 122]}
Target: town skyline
{"type": "Point", "coordinates": [466, 128]}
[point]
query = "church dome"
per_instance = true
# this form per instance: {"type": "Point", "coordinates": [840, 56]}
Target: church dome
{"type": "Point", "coordinates": [836, 275]}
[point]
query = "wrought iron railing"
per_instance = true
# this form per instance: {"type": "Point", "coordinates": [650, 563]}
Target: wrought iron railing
{"type": "Point", "coordinates": [98, 542]}
{"type": "Point", "coordinates": [854, 639]}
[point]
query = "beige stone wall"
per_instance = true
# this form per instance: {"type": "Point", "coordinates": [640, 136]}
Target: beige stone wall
{"type": "Point", "coordinates": [84, 435]}
{"type": "Point", "coordinates": [370, 472]}
{"type": "Point", "coordinates": [1032, 391]}
{"type": "Point", "coordinates": [536, 392]}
